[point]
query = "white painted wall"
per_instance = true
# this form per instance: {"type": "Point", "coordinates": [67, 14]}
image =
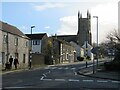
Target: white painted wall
{"type": "Point", "coordinates": [79, 50]}
{"type": "Point", "coordinates": [36, 48]}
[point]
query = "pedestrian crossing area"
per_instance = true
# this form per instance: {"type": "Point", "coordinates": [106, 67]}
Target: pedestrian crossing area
{"type": "Point", "coordinates": [61, 68]}
{"type": "Point", "coordinates": [83, 80]}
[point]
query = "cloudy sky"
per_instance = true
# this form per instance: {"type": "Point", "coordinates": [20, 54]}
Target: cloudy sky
{"type": "Point", "coordinates": [60, 17]}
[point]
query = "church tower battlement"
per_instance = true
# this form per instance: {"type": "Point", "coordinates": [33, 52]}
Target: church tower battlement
{"type": "Point", "coordinates": [84, 29]}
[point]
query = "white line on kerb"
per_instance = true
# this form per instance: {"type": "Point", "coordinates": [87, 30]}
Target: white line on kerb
{"type": "Point", "coordinates": [47, 79]}
{"type": "Point", "coordinates": [59, 79]}
{"type": "Point", "coordinates": [75, 80]}
{"type": "Point", "coordinates": [87, 80]}
{"type": "Point", "coordinates": [101, 81]}
{"type": "Point", "coordinates": [46, 67]}
{"type": "Point", "coordinates": [54, 67]}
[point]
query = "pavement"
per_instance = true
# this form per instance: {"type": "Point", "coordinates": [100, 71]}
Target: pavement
{"type": "Point", "coordinates": [35, 67]}
{"type": "Point", "coordinates": [99, 73]}
{"type": "Point", "coordinates": [20, 69]}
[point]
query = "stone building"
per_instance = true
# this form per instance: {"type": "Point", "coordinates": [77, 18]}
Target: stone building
{"type": "Point", "coordinates": [37, 41]}
{"type": "Point", "coordinates": [84, 29]}
{"type": "Point", "coordinates": [83, 34]}
{"type": "Point", "coordinates": [13, 43]}
{"type": "Point", "coordinates": [63, 52]}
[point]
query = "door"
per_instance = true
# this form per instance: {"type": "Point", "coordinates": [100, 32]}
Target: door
{"type": "Point", "coordinates": [3, 59]}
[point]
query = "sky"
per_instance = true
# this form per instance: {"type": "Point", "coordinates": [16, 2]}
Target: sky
{"type": "Point", "coordinates": [60, 17]}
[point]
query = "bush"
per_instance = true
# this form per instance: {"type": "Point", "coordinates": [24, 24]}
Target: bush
{"type": "Point", "coordinates": [112, 65]}
{"type": "Point", "coordinates": [80, 58]}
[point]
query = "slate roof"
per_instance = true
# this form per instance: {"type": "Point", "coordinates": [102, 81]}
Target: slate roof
{"type": "Point", "coordinates": [36, 36]}
{"type": "Point", "coordinates": [67, 38]}
{"type": "Point", "coordinates": [11, 29]}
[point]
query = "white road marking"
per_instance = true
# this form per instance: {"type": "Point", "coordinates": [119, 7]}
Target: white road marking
{"type": "Point", "coordinates": [75, 80]}
{"type": "Point", "coordinates": [87, 80]}
{"type": "Point", "coordinates": [101, 81]}
{"type": "Point", "coordinates": [44, 75]}
{"type": "Point", "coordinates": [81, 76]}
{"type": "Point", "coordinates": [59, 79]}
{"type": "Point", "coordinates": [59, 68]}
{"type": "Point", "coordinates": [66, 68]}
{"type": "Point", "coordinates": [75, 73]}
{"type": "Point", "coordinates": [115, 81]}
{"type": "Point", "coordinates": [90, 65]}
{"type": "Point", "coordinates": [73, 68]}
{"type": "Point", "coordinates": [13, 87]}
{"type": "Point", "coordinates": [41, 78]}
{"type": "Point", "coordinates": [47, 79]}
{"type": "Point", "coordinates": [54, 67]}
{"type": "Point", "coordinates": [46, 68]}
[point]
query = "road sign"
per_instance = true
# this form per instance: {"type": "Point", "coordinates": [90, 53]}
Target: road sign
{"type": "Point", "coordinates": [94, 50]}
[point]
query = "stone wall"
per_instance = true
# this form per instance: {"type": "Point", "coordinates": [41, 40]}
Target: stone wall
{"type": "Point", "coordinates": [38, 59]}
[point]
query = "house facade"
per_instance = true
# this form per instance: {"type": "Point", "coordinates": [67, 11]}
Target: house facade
{"type": "Point", "coordinates": [37, 41]}
{"type": "Point", "coordinates": [79, 50]}
{"type": "Point", "coordinates": [13, 43]}
{"type": "Point", "coordinates": [62, 51]}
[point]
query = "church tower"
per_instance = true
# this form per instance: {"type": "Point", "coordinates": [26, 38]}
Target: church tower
{"type": "Point", "coordinates": [84, 29]}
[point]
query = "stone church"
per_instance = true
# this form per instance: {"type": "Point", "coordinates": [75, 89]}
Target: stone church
{"type": "Point", "coordinates": [84, 31]}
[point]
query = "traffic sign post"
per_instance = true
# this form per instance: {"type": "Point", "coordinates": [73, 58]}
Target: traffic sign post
{"type": "Point", "coordinates": [86, 56]}
{"type": "Point", "coordinates": [95, 51]}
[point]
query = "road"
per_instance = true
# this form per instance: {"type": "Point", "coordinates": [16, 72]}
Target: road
{"type": "Point", "coordinates": [62, 76]}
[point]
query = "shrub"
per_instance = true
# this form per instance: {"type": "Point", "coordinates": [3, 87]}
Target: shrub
{"type": "Point", "coordinates": [80, 58]}
{"type": "Point", "coordinates": [112, 65]}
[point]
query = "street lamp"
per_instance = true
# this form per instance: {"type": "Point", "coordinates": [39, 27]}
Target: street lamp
{"type": "Point", "coordinates": [97, 37]}
{"type": "Point", "coordinates": [30, 61]}
{"type": "Point", "coordinates": [31, 35]}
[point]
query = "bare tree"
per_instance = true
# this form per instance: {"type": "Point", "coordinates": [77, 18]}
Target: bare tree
{"type": "Point", "coordinates": [114, 39]}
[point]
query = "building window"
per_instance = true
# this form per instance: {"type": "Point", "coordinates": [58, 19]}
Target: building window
{"type": "Point", "coordinates": [26, 44]}
{"type": "Point", "coordinates": [5, 39]}
{"type": "Point", "coordinates": [23, 58]}
{"type": "Point", "coordinates": [16, 41]}
{"type": "Point", "coordinates": [36, 42]}
{"type": "Point", "coordinates": [67, 56]}
{"type": "Point", "coordinates": [3, 58]}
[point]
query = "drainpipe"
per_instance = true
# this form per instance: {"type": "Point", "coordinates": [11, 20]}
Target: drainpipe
{"type": "Point", "coordinates": [7, 44]}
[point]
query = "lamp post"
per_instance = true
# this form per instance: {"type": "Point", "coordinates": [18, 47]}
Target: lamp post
{"type": "Point", "coordinates": [31, 35]}
{"type": "Point", "coordinates": [97, 37]}
{"type": "Point", "coordinates": [30, 61]}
